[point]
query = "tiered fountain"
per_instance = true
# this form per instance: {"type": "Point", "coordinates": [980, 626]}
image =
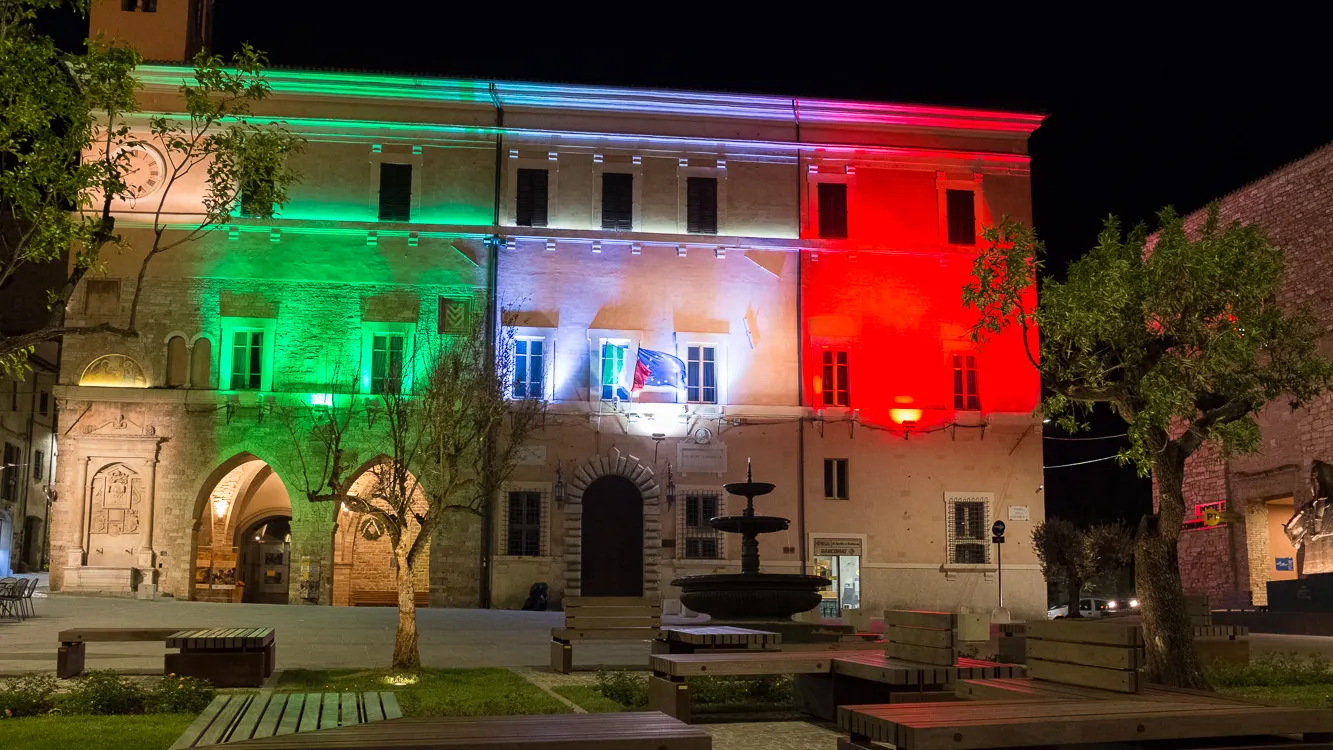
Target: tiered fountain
{"type": "Point", "coordinates": [750, 594]}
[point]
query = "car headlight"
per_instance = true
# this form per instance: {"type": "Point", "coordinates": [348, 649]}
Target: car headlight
{"type": "Point", "coordinates": [1133, 602]}
{"type": "Point", "coordinates": [1110, 605]}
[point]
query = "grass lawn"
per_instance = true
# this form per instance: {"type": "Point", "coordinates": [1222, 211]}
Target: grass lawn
{"type": "Point", "coordinates": [147, 732]}
{"type": "Point", "coordinates": [436, 692]}
{"type": "Point", "coordinates": [1310, 696]}
{"type": "Point", "coordinates": [589, 698]}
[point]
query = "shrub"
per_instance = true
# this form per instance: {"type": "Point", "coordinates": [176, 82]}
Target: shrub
{"type": "Point", "coordinates": [105, 692]}
{"type": "Point", "coordinates": [626, 688]}
{"type": "Point", "coordinates": [732, 691]}
{"type": "Point", "coordinates": [28, 695]}
{"type": "Point", "coordinates": [1272, 670]}
{"type": "Point", "coordinates": [175, 694]}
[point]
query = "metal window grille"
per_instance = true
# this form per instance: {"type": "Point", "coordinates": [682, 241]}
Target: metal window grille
{"type": "Point", "coordinates": [968, 525]}
{"type": "Point", "coordinates": [701, 374]}
{"type": "Point", "coordinates": [529, 356]}
{"type": "Point", "coordinates": [696, 538]}
{"type": "Point", "coordinates": [965, 382]}
{"type": "Point", "coordinates": [526, 516]}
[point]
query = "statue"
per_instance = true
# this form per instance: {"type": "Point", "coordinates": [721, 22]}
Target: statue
{"type": "Point", "coordinates": [1310, 528]}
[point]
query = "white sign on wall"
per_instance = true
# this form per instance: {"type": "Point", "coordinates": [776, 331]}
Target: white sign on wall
{"type": "Point", "coordinates": [837, 547]}
{"type": "Point", "coordinates": [703, 459]}
{"type": "Point", "coordinates": [1019, 513]}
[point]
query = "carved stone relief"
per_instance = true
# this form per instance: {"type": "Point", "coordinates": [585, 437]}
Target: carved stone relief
{"type": "Point", "coordinates": [117, 500]}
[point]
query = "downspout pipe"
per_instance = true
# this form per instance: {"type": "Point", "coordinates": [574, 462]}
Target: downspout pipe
{"type": "Point", "coordinates": [800, 358]}
{"type": "Point", "coordinates": [492, 331]}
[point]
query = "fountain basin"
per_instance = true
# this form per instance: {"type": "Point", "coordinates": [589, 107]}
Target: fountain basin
{"type": "Point", "coordinates": [749, 489]}
{"type": "Point", "coordinates": [749, 524]}
{"type": "Point", "coordinates": [751, 596]}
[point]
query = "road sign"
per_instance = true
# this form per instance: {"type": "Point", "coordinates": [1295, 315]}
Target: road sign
{"type": "Point", "coordinates": [997, 528]}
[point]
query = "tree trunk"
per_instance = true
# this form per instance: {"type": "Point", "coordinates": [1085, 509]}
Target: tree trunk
{"type": "Point", "coordinates": [1075, 595]}
{"type": "Point", "coordinates": [405, 653]}
{"type": "Point", "coordinates": [1167, 633]}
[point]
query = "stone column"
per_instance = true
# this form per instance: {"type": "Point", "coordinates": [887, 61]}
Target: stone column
{"type": "Point", "coordinates": [147, 588]}
{"type": "Point", "coordinates": [75, 553]}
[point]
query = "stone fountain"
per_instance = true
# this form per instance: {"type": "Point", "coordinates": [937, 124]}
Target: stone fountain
{"type": "Point", "coordinates": [750, 594]}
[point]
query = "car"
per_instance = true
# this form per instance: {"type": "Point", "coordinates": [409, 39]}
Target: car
{"type": "Point", "coordinates": [1087, 607]}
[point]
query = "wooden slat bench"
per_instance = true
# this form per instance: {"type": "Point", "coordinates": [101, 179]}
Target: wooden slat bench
{"type": "Point", "coordinates": [1229, 643]}
{"type": "Point", "coordinates": [226, 657]}
{"type": "Point", "coordinates": [981, 725]}
{"type": "Point", "coordinates": [926, 637]}
{"type": "Point", "coordinates": [385, 598]}
{"type": "Point", "coordinates": [613, 731]}
{"type": "Point", "coordinates": [73, 644]}
{"type": "Point", "coordinates": [600, 619]}
{"type": "Point", "coordinates": [241, 716]}
{"type": "Point", "coordinates": [679, 639]}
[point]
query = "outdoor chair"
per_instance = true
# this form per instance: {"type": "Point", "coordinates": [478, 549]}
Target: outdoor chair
{"type": "Point", "coordinates": [26, 606]}
{"type": "Point", "coordinates": [11, 598]}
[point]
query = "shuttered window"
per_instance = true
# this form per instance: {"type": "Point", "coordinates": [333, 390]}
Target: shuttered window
{"type": "Point", "coordinates": [395, 192]}
{"type": "Point", "coordinates": [832, 210]}
{"type": "Point", "coordinates": [962, 216]}
{"type": "Point", "coordinates": [531, 198]}
{"type": "Point", "coordinates": [617, 201]}
{"type": "Point", "coordinates": [701, 205]}
{"type": "Point", "coordinates": [965, 382]}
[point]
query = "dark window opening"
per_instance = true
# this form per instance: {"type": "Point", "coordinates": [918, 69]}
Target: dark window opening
{"type": "Point", "coordinates": [965, 382]}
{"type": "Point", "coordinates": [38, 461]}
{"type": "Point", "coordinates": [835, 479]}
{"type": "Point", "coordinates": [395, 192]}
{"type": "Point", "coordinates": [524, 524]}
{"type": "Point", "coordinates": [702, 541]}
{"type": "Point", "coordinates": [9, 473]}
{"type": "Point", "coordinates": [44, 403]}
{"type": "Point", "coordinates": [386, 363]}
{"type": "Point", "coordinates": [531, 198]}
{"type": "Point", "coordinates": [961, 218]}
{"type": "Point", "coordinates": [835, 382]}
{"type": "Point", "coordinates": [701, 205]}
{"type": "Point", "coordinates": [617, 201]}
{"type": "Point", "coordinates": [832, 210]}
{"type": "Point", "coordinates": [247, 360]}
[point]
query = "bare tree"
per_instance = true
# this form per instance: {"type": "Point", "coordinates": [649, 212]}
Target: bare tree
{"type": "Point", "coordinates": [446, 441]}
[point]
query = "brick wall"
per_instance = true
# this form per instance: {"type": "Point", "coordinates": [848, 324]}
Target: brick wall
{"type": "Point", "coordinates": [1294, 205]}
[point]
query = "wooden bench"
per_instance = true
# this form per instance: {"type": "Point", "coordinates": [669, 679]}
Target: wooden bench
{"type": "Point", "coordinates": [1228, 643]}
{"type": "Point", "coordinates": [1071, 659]}
{"type": "Point", "coordinates": [926, 637]}
{"type": "Point", "coordinates": [73, 644]}
{"type": "Point", "coordinates": [226, 657]}
{"type": "Point", "coordinates": [603, 618]}
{"type": "Point", "coordinates": [612, 731]}
{"type": "Point", "coordinates": [238, 717]}
{"type": "Point", "coordinates": [385, 598]}
{"type": "Point", "coordinates": [679, 639]}
{"type": "Point", "coordinates": [980, 725]}
{"type": "Point", "coordinates": [1199, 611]}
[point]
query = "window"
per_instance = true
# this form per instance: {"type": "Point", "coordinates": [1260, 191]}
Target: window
{"type": "Point", "coordinates": [835, 479]}
{"type": "Point", "coordinates": [395, 192]}
{"type": "Point", "coordinates": [961, 208]}
{"type": "Point", "coordinates": [968, 526]}
{"type": "Point", "coordinates": [201, 363]}
{"type": "Point", "coordinates": [38, 461]}
{"type": "Point", "coordinates": [248, 197]}
{"type": "Point", "coordinates": [9, 473]}
{"type": "Point", "coordinates": [528, 363]}
{"type": "Point", "coordinates": [965, 382]}
{"type": "Point", "coordinates": [832, 210]}
{"type": "Point", "coordinates": [453, 315]}
{"type": "Point", "coordinates": [386, 363]}
{"type": "Point", "coordinates": [617, 201]}
{"type": "Point", "coordinates": [176, 362]}
{"type": "Point", "coordinates": [701, 374]}
{"type": "Point", "coordinates": [103, 297]}
{"type": "Point", "coordinates": [698, 539]}
{"type": "Point", "coordinates": [147, 6]}
{"type": "Point", "coordinates": [531, 198]}
{"type": "Point", "coordinates": [44, 403]}
{"type": "Point", "coordinates": [701, 205]}
{"type": "Point", "coordinates": [247, 360]}
{"type": "Point", "coordinates": [523, 523]}
{"type": "Point", "coordinates": [836, 391]}
{"type": "Point", "coordinates": [613, 365]}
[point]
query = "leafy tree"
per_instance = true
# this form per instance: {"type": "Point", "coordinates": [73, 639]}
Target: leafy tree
{"type": "Point", "coordinates": [1080, 558]}
{"type": "Point", "coordinates": [444, 444]}
{"type": "Point", "coordinates": [1184, 338]}
{"type": "Point", "coordinates": [65, 144]}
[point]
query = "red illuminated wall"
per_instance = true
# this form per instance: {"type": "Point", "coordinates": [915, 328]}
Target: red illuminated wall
{"type": "Point", "coordinates": [891, 295]}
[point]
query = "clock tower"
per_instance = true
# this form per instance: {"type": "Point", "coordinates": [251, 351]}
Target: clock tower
{"type": "Point", "coordinates": [162, 30]}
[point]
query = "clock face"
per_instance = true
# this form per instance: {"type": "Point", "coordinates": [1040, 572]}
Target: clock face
{"type": "Point", "coordinates": [143, 170]}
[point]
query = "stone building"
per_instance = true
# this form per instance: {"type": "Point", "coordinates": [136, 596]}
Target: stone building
{"type": "Point", "coordinates": [27, 463]}
{"type": "Point", "coordinates": [802, 260]}
{"type": "Point", "coordinates": [1233, 561]}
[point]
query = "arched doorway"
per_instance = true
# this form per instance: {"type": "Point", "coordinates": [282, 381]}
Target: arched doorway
{"type": "Point", "coordinates": [263, 565]}
{"type": "Point", "coordinates": [612, 551]}
{"type": "Point", "coordinates": [364, 570]}
{"type": "Point", "coordinates": [246, 498]}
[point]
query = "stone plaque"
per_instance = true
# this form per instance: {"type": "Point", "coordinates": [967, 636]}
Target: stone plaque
{"type": "Point", "coordinates": [1020, 513]}
{"type": "Point", "coordinates": [835, 547]}
{"type": "Point", "coordinates": [702, 459]}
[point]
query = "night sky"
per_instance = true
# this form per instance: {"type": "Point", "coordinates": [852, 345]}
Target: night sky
{"type": "Point", "coordinates": [1143, 112]}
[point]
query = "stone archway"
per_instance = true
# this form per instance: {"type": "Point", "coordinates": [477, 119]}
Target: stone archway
{"type": "Point", "coordinates": [641, 476]}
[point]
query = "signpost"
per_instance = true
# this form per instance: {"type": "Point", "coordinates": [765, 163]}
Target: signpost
{"type": "Point", "coordinates": [997, 538]}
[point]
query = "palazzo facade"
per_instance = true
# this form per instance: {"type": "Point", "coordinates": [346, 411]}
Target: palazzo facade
{"type": "Point", "coordinates": [802, 259]}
